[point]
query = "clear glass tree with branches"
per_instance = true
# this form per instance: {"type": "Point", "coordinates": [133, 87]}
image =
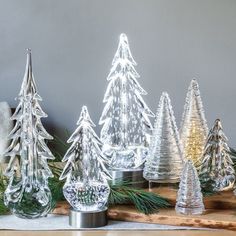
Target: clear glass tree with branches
{"type": "Point", "coordinates": [189, 197]}
{"type": "Point", "coordinates": [217, 165]}
{"type": "Point", "coordinates": [126, 126]}
{"type": "Point", "coordinates": [86, 187]}
{"type": "Point", "coordinates": [27, 194]}
{"type": "Point", "coordinates": [193, 129]}
{"type": "Point", "coordinates": [164, 162]}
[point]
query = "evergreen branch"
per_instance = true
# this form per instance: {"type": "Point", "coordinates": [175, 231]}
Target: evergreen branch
{"type": "Point", "coordinates": [3, 183]}
{"type": "Point", "coordinates": [145, 202]}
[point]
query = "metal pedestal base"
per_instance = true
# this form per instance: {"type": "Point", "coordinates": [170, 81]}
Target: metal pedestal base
{"type": "Point", "coordinates": [80, 219]}
{"type": "Point", "coordinates": [135, 177]}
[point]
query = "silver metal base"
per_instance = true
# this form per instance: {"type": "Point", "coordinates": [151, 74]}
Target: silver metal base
{"type": "Point", "coordinates": [135, 177]}
{"type": "Point", "coordinates": [78, 219]}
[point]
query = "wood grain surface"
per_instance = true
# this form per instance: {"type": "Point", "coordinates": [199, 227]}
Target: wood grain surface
{"type": "Point", "coordinates": [220, 213]}
{"type": "Point", "coordinates": [221, 200]}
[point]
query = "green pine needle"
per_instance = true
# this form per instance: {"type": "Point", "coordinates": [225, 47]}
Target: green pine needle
{"type": "Point", "coordinates": [145, 202]}
{"type": "Point", "coordinates": [122, 193]}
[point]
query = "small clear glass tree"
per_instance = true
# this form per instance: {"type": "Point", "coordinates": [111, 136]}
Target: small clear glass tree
{"type": "Point", "coordinates": [164, 162]}
{"type": "Point", "coordinates": [194, 130]}
{"type": "Point", "coordinates": [126, 126]}
{"type": "Point", "coordinates": [189, 197]}
{"type": "Point", "coordinates": [217, 165]}
{"type": "Point", "coordinates": [86, 187]}
{"type": "Point", "coordinates": [27, 194]}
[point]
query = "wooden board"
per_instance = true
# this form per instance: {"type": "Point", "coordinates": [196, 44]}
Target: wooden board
{"type": "Point", "coordinates": [217, 219]}
{"type": "Point", "coordinates": [221, 219]}
{"type": "Point", "coordinates": [222, 200]}
{"type": "Point", "coordinates": [220, 213]}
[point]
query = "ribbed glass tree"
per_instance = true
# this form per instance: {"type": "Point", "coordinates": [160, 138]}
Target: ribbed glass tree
{"type": "Point", "coordinates": [194, 130]}
{"type": "Point", "coordinates": [125, 118]}
{"type": "Point", "coordinates": [164, 162]}
{"type": "Point", "coordinates": [189, 197]}
{"type": "Point", "coordinates": [217, 166]}
{"type": "Point", "coordinates": [27, 194]}
{"type": "Point", "coordinates": [86, 187]}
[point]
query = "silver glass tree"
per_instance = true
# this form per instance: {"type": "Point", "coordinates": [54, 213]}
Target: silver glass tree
{"type": "Point", "coordinates": [164, 162]}
{"type": "Point", "coordinates": [27, 194]}
{"type": "Point", "coordinates": [86, 187]}
{"type": "Point", "coordinates": [217, 165]}
{"type": "Point", "coordinates": [126, 127]}
{"type": "Point", "coordinates": [189, 197]}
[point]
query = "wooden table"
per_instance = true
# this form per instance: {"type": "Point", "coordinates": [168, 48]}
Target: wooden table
{"type": "Point", "coordinates": [118, 233]}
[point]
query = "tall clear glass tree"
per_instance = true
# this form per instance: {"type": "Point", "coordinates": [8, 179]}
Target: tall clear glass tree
{"type": "Point", "coordinates": [193, 129]}
{"type": "Point", "coordinates": [27, 194]}
{"type": "Point", "coordinates": [86, 187]}
{"type": "Point", "coordinates": [164, 163]}
{"type": "Point", "coordinates": [126, 126]}
{"type": "Point", "coordinates": [217, 165]}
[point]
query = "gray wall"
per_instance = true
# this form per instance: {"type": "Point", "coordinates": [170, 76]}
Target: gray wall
{"type": "Point", "coordinates": [73, 43]}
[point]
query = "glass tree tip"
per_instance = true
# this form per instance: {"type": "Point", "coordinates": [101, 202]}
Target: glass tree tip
{"type": "Point", "coordinates": [194, 83]}
{"type": "Point", "coordinates": [123, 37]}
{"type": "Point", "coordinates": [165, 95]}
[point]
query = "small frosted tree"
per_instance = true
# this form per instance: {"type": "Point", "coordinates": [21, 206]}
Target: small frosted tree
{"type": "Point", "coordinates": [86, 187]}
{"type": "Point", "coordinates": [189, 197]}
{"type": "Point", "coordinates": [28, 194]}
{"type": "Point", "coordinates": [194, 130]}
{"type": "Point", "coordinates": [217, 166]}
{"type": "Point", "coordinates": [125, 118]}
{"type": "Point", "coordinates": [164, 162]}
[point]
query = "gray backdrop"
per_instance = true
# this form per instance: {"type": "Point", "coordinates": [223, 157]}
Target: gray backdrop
{"type": "Point", "coordinates": [73, 43]}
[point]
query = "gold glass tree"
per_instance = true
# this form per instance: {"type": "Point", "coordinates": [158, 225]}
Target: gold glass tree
{"type": "Point", "coordinates": [194, 130]}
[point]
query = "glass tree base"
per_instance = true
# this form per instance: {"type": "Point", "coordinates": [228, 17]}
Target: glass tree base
{"type": "Point", "coordinates": [89, 219]}
{"type": "Point", "coordinates": [33, 204]}
{"type": "Point", "coordinates": [134, 177]}
{"type": "Point", "coordinates": [189, 211]}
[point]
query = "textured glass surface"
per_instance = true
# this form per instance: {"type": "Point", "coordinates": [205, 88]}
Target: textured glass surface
{"type": "Point", "coordinates": [194, 130]}
{"type": "Point", "coordinates": [125, 118]}
{"type": "Point", "coordinates": [27, 194]}
{"type": "Point", "coordinates": [189, 197]}
{"type": "Point", "coordinates": [86, 187]}
{"type": "Point", "coordinates": [164, 162]}
{"type": "Point", "coordinates": [217, 166]}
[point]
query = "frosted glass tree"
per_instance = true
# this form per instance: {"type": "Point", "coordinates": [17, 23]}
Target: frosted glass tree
{"type": "Point", "coordinates": [164, 162]}
{"type": "Point", "coordinates": [125, 118]}
{"type": "Point", "coordinates": [194, 130]}
{"type": "Point", "coordinates": [189, 196]}
{"type": "Point", "coordinates": [217, 166]}
{"type": "Point", "coordinates": [27, 194]}
{"type": "Point", "coordinates": [86, 187]}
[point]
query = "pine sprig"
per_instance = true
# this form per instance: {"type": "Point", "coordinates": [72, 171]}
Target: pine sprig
{"type": "Point", "coordinates": [121, 193]}
{"type": "Point", "coordinates": [145, 202]}
{"type": "Point", "coordinates": [3, 181]}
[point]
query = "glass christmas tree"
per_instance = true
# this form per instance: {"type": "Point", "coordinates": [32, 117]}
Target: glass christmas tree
{"type": "Point", "coordinates": [217, 166]}
{"type": "Point", "coordinates": [125, 118]}
{"type": "Point", "coordinates": [27, 194]}
{"type": "Point", "coordinates": [194, 130]}
{"type": "Point", "coordinates": [86, 187]}
{"type": "Point", "coordinates": [189, 197]}
{"type": "Point", "coordinates": [164, 162]}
